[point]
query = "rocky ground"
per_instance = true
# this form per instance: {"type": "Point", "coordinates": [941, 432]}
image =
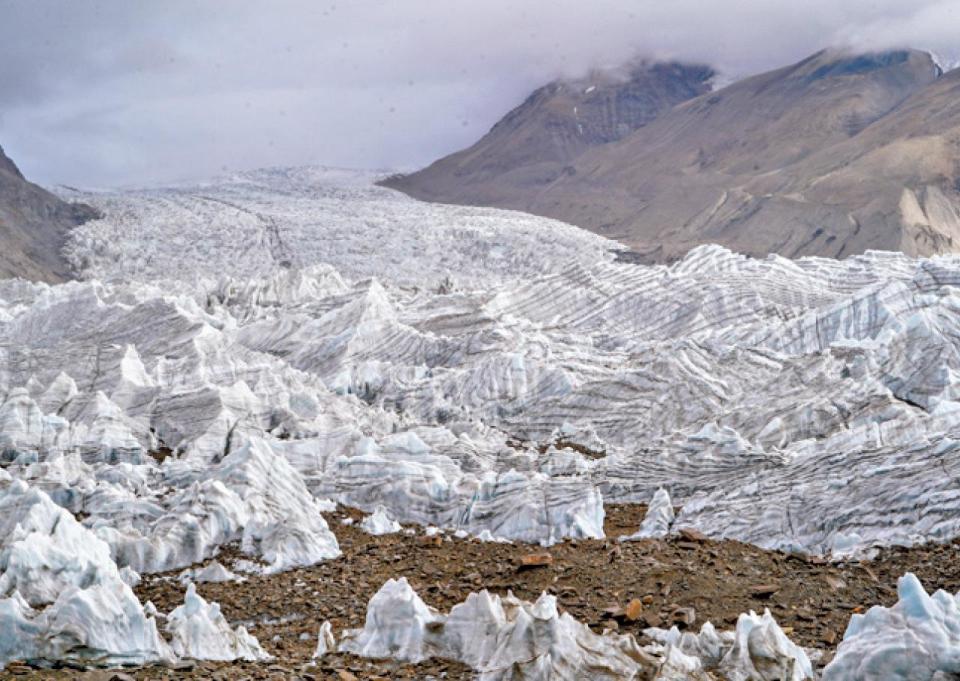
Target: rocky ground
{"type": "Point", "coordinates": [686, 580]}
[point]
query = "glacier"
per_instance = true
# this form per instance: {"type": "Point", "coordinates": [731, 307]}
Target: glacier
{"type": "Point", "coordinates": [242, 355]}
{"type": "Point", "coordinates": [420, 357]}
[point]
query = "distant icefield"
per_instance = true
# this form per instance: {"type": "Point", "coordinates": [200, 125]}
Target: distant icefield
{"type": "Point", "coordinates": [242, 354]}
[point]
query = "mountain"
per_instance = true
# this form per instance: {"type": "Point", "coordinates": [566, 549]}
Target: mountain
{"type": "Point", "coordinates": [832, 156]}
{"type": "Point", "coordinates": [33, 226]}
{"type": "Point", "coordinates": [533, 145]}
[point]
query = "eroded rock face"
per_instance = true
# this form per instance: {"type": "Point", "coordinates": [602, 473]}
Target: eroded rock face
{"type": "Point", "coordinates": [33, 227]}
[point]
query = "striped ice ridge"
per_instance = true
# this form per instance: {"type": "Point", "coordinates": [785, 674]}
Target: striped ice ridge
{"type": "Point", "coordinates": [805, 405]}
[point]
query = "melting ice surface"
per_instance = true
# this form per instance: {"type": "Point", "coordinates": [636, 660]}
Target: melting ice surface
{"type": "Point", "coordinates": [380, 522]}
{"type": "Point", "coordinates": [243, 354]}
{"type": "Point", "coordinates": [201, 632]}
{"type": "Point", "coordinates": [918, 638]}
{"type": "Point", "coordinates": [61, 595]}
{"type": "Point", "coordinates": [506, 638]}
{"type": "Point", "coordinates": [658, 519]}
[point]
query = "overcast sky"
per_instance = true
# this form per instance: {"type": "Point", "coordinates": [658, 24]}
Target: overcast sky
{"type": "Point", "coordinates": [128, 91]}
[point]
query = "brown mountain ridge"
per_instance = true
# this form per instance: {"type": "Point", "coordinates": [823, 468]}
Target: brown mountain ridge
{"type": "Point", "coordinates": [33, 226]}
{"type": "Point", "coordinates": [534, 145]}
{"type": "Point", "coordinates": [839, 153]}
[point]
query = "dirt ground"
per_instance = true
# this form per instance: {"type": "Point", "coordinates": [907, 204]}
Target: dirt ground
{"type": "Point", "coordinates": [592, 580]}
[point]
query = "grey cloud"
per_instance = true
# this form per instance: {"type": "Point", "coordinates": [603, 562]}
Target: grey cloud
{"type": "Point", "coordinates": [98, 93]}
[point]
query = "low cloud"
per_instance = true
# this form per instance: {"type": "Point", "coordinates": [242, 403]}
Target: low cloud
{"type": "Point", "coordinates": [109, 93]}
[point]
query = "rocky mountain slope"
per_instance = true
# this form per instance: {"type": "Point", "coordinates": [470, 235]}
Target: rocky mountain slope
{"type": "Point", "coordinates": [534, 145]}
{"type": "Point", "coordinates": [33, 227]}
{"type": "Point", "coordinates": [834, 155]}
